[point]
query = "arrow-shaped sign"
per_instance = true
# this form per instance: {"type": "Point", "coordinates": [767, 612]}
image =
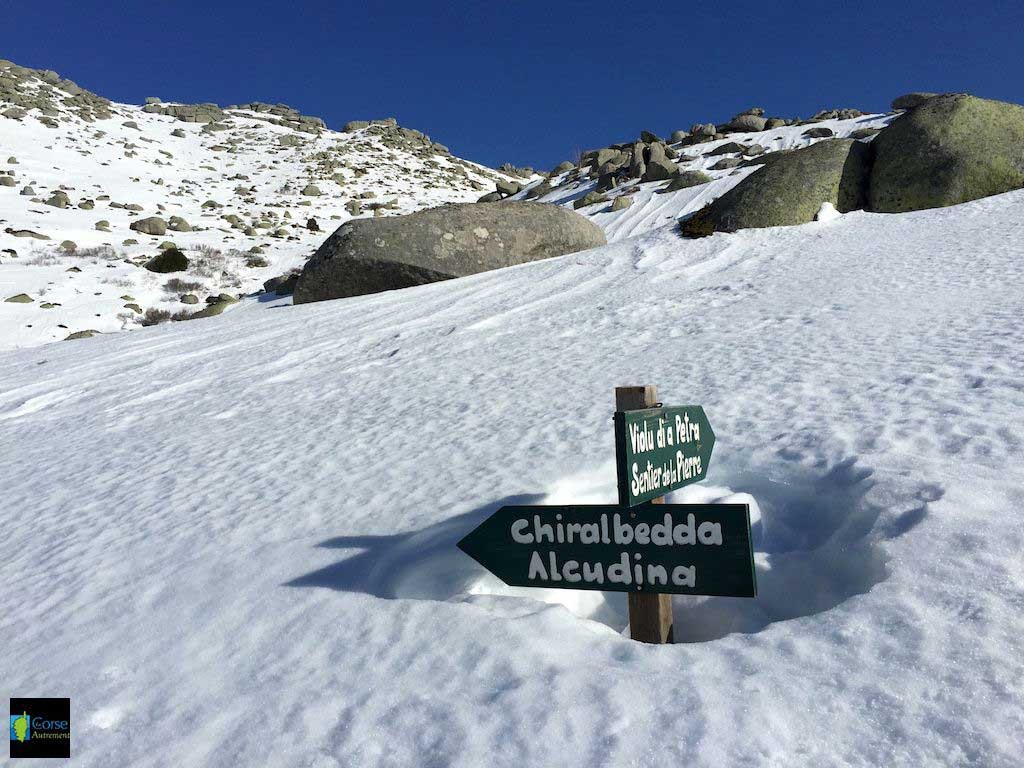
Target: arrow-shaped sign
{"type": "Point", "coordinates": [690, 549]}
{"type": "Point", "coordinates": [661, 449]}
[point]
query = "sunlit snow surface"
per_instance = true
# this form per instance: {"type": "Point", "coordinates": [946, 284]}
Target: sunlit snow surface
{"type": "Point", "coordinates": [244, 169]}
{"type": "Point", "coordinates": [232, 541]}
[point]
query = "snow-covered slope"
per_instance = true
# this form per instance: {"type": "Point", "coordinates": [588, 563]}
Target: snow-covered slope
{"type": "Point", "coordinates": [240, 184]}
{"type": "Point", "coordinates": [232, 541]}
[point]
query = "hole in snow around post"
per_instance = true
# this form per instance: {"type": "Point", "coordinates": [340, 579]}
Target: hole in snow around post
{"type": "Point", "coordinates": [814, 548]}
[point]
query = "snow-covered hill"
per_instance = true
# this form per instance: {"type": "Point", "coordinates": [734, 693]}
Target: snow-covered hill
{"type": "Point", "coordinates": [246, 183]}
{"type": "Point", "coordinates": [232, 542]}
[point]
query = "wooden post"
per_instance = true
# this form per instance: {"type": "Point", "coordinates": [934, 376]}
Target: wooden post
{"type": "Point", "coordinates": [650, 613]}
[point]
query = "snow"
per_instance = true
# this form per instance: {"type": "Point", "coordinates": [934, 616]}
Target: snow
{"type": "Point", "coordinates": [827, 212]}
{"type": "Point", "coordinates": [170, 175]}
{"type": "Point", "coordinates": [232, 541]}
{"type": "Point", "coordinates": [174, 176]}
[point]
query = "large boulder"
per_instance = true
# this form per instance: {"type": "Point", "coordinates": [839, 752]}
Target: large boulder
{"type": "Point", "coordinates": [789, 190]}
{"type": "Point", "coordinates": [371, 255]}
{"type": "Point", "coordinates": [948, 150]}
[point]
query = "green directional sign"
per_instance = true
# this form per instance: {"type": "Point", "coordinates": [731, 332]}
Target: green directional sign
{"type": "Point", "coordinates": [661, 449]}
{"type": "Point", "coordinates": [687, 549]}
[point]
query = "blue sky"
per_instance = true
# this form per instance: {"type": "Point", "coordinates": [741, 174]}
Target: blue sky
{"type": "Point", "coordinates": [526, 82]}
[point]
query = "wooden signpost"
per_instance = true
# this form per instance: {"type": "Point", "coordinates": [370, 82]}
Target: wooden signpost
{"type": "Point", "coordinates": [641, 546]}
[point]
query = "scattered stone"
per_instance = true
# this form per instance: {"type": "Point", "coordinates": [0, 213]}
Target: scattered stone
{"type": "Point", "coordinates": [26, 233]}
{"type": "Point", "coordinates": [538, 190]}
{"type": "Point", "coordinates": [8, 181]}
{"type": "Point", "coordinates": [59, 199]}
{"type": "Point", "coordinates": [68, 246]}
{"type": "Point", "coordinates": [21, 298]}
{"type": "Point", "coordinates": [87, 334]}
{"type": "Point", "coordinates": [687, 179]}
{"type": "Point", "coordinates": [726, 163]}
{"type": "Point", "coordinates": [27, 191]}
{"type": "Point", "coordinates": [563, 167]}
{"type": "Point", "coordinates": [657, 166]}
{"type": "Point", "coordinates": [490, 197]}
{"type": "Point", "coordinates": [103, 225]}
{"type": "Point", "coordinates": [151, 225]}
{"type": "Point", "coordinates": [134, 308]}
{"type": "Point", "coordinates": [311, 190]}
{"type": "Point", "coordinates": [622, 202]}
{"type": "Point", "coordinates": [747, 123]}
{"type": "Point", "coordinates": [835, 114]}
{"type": "Point", "coordinates": [820, 132]}
{"type": "Point", "coordinates": [506, 187]}
{"type": "Point", "coordinates": [728, 148]}
{"type": "Point", "coordinates": [189, 298]}
{"type": "Point", "coordinates": [591, 198]}
{"type": "Point", "coordinates": [312, 226]}
{"type": "Point", "coordinates": [282, 285]}
{"type": "Point", "coordinates": [178, 224]}
{"type": "Point", "coordinates": [179, 133]}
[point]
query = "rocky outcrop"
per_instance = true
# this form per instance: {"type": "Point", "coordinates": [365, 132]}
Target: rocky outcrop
{"type": "Point", "coordinates": [789, 190]}
{"type": "Point", "coordinates": [947, 150]}
{"type": "Point", "coordinates": [48, 93]}
{"type": "Point", "coordinates": [371, 255]}
{"type": "Point", "coordinates": [911, 100]}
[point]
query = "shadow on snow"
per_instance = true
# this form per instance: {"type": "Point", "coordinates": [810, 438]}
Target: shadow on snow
{"type": "Point", "coordinates": [817, 545]}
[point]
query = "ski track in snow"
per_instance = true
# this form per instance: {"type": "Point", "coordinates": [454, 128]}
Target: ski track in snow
{"type": "Point", "coordinates": [231, 541]}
